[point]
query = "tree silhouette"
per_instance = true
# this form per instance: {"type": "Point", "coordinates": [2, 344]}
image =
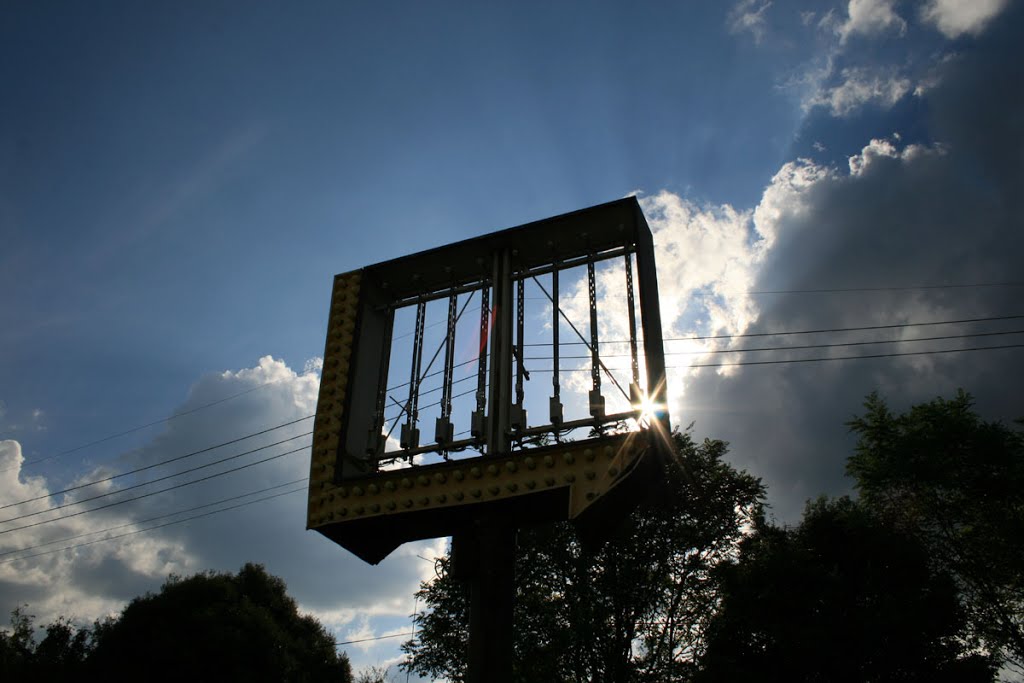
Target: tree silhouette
{"type": "Point", "coordinates": [842, 597]}
{"type": "Point", "coordinates": [956, 484]}
{"type": "Point", "coordinates": [217, 626]}
{"type": "Point", "coordinates": [632, 609]}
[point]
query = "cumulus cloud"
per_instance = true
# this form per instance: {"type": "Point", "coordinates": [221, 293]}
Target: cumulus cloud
{"type": "Point", "coordinates": [955, 18]}
{"type": "Point", "coordinates": [93, 580]}
{"type": "Point", "coordinates": [860, 86]}
{"type": "Point", "coordinates": [896, 215]}
{"type": "Point", "coordinates": [869, 18]}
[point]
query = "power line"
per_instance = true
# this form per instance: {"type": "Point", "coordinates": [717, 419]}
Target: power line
{"type": "Point", "coordinates": [802, 346]}
{"type": "Point", "coordinates": [812, 360]}
{"type": "Point", "coordinates": [153, 493]}
{"type": "Point", "coordinates": [152, 481]}
{"type": "Point", "coordinates": [366, 640]}
{"type": "Point", "coordinates": [173, 416]}
{"type": "Point", "coordinates": [816, 331]}
{"type": "Point", "coordinates": [862, 357]}
{"type": "Point", "coordinates": [146, 521]}
{"type": "Point", "coordinates": [834, 290]}
{"type": "Point", "coordinates": [886, 289]}
{"type": "Point", "coordinates": [153, 465]}
{"type": "Point", "coordinates": [158, 526]}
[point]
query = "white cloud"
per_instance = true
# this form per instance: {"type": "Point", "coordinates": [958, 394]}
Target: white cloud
{"type": "Point", "coordinates": [954, 18]}
{"type": "Point", "coordinates": [91, 581]}
{"type": "Point", "coordinates": [869, 18]}
{"type": "Point", "coordinates": [749, 16]}
{"type": "Point", "coordinates": [860, 86]}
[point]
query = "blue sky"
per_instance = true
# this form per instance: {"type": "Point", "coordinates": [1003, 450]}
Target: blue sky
{"type": "Point", "coordinates": [180, 181]}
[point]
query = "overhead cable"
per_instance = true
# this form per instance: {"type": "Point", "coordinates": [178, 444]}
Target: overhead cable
{"type": "Point", "coordinates": [152, 493]}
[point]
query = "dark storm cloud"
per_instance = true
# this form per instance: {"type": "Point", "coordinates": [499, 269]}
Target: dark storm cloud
{"type": "Point", "coordinates": [950, 212]}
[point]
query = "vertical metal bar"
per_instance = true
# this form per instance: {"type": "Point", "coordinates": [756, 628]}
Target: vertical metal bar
{"type": "Point", "coordinates": [596, 400]}
{"type": "Point", "coordinates": [554, 331]}
{"type": "Point", "coordinates": [634, 387]}
{"type": "Point", "coordinates": [520, 324]}
{"type": "Point", "coordinates": [449, 359]}
{"type": "Point", "coordinates": [501, 357]}
{"type": "Point", "coordinates": [443, 429]}
{"type": "Point", "coordinates": [555, 404]}
{"type": "Point", "coordinates": [374, 442]}
{"type": "Point", "coordinates": [477, 427]}
{"type": "Point", "coordinates": [410, 435]}
{"type": "Point", "coordinates": [650, 315]}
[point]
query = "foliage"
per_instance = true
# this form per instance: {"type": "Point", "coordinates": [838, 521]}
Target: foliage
{"type": "Point", "coordinates": [229, 626]}
{"type": "Point", "coordinates": [212, 626]}
{"type": "Point", "coordinates": [842, 597]}
{"type": "Point", "coordinates": [59, 655]}
{"type": "Point", "coordinates": [376, 674]}
{"type": "Point", "coordinates": [581, 611]}
{"type": "Point", "coordinates": [956, 483]}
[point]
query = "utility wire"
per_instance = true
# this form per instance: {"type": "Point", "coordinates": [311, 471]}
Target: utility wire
{"type": "Point", "coordinates": [817, 331]}
{"type": "Point", "coordinates": [366, 640]}
{"type": "Point", "coordinates": [173, 416]}
{"type": "Point", "coordinates": [802, 346]}
{"type": "Point", "coordinates": [146, 521]}
{"type": "Point", "coordinates": [154, 465]}
{"type": "Point", "coordinates": [813, 360]}
{"type": "Point", "coordinates": [848, 289]}
{"type": "Point", "coordinates": [144, 495]}
{"type": "Point", "coordinates": [158, 526]}
{"type": "Point", "coordinates": [886, 289]}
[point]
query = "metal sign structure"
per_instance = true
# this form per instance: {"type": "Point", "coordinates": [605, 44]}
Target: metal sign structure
{"type": "Point", "coordinates": [400, 455]}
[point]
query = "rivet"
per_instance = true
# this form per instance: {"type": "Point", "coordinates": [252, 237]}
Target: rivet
{"type": "Point", "coordinates": [475, 493]}
{"type": "Point", "coordinates": [342, 512]}
{"type": "Point", "coordinates": [391, 505]}
{"type": "Point", "coordinates": [530, 462]}
{"type": "Point", "coordinates": [613, 471]}
{"type": "Point", "coordinates": [389, 485]}
{"type": "Point", "coordinates": [357, 491]}
{"type": "Point", "coordinates": [407, 503]}
{"type": "Point", "coordinates": [492, 470]}
{"type": "Point", "coordinates": [531, 484]}
{"type": "Point", "coordinates": [569, 458]}
{"type": "Point", "coordinates": [458, 495]}
{"type": "Point", "coordinates": [440, 478]}
{"type": "Point", "coordinates": [549, 461]}
{"type": "Point", "coordinates": [511, 466]}
{"type": "Point", "coordinates": [609, 451]}
{"type": "Point", "coordinates": [495, 490]}
{"type": "Point", "coordinates": [443, 498]}
{"type": "Point", "coordinates": [424, 500]}
{"type": "Point", "coordinates": [591, 495]}
{"type": "Point", "coordinates": [475, 471]}
{"type": "Point", "coordinates": [570, 477]}
{"type": "Point", "coordinates": [406, 483]}
{"type": "Point", "coordinates": [360, 509]}
{"type": "Point", "coordinates": [457, 475]}
{"type": "Point", "coordinates": [589, 454]}
{"type": "Point", "coordinates": [423, 481]}
{"type": "Point", "coordinates": [550, 481]}
{"type": "Point", "coordinates": [343, 492]}
{"type": "Point", "coordinates": [373, 489]}
{"type": "Point", "coordinates": [375, 507]}
{"type": "Point", "coordinates": [513, 487]}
